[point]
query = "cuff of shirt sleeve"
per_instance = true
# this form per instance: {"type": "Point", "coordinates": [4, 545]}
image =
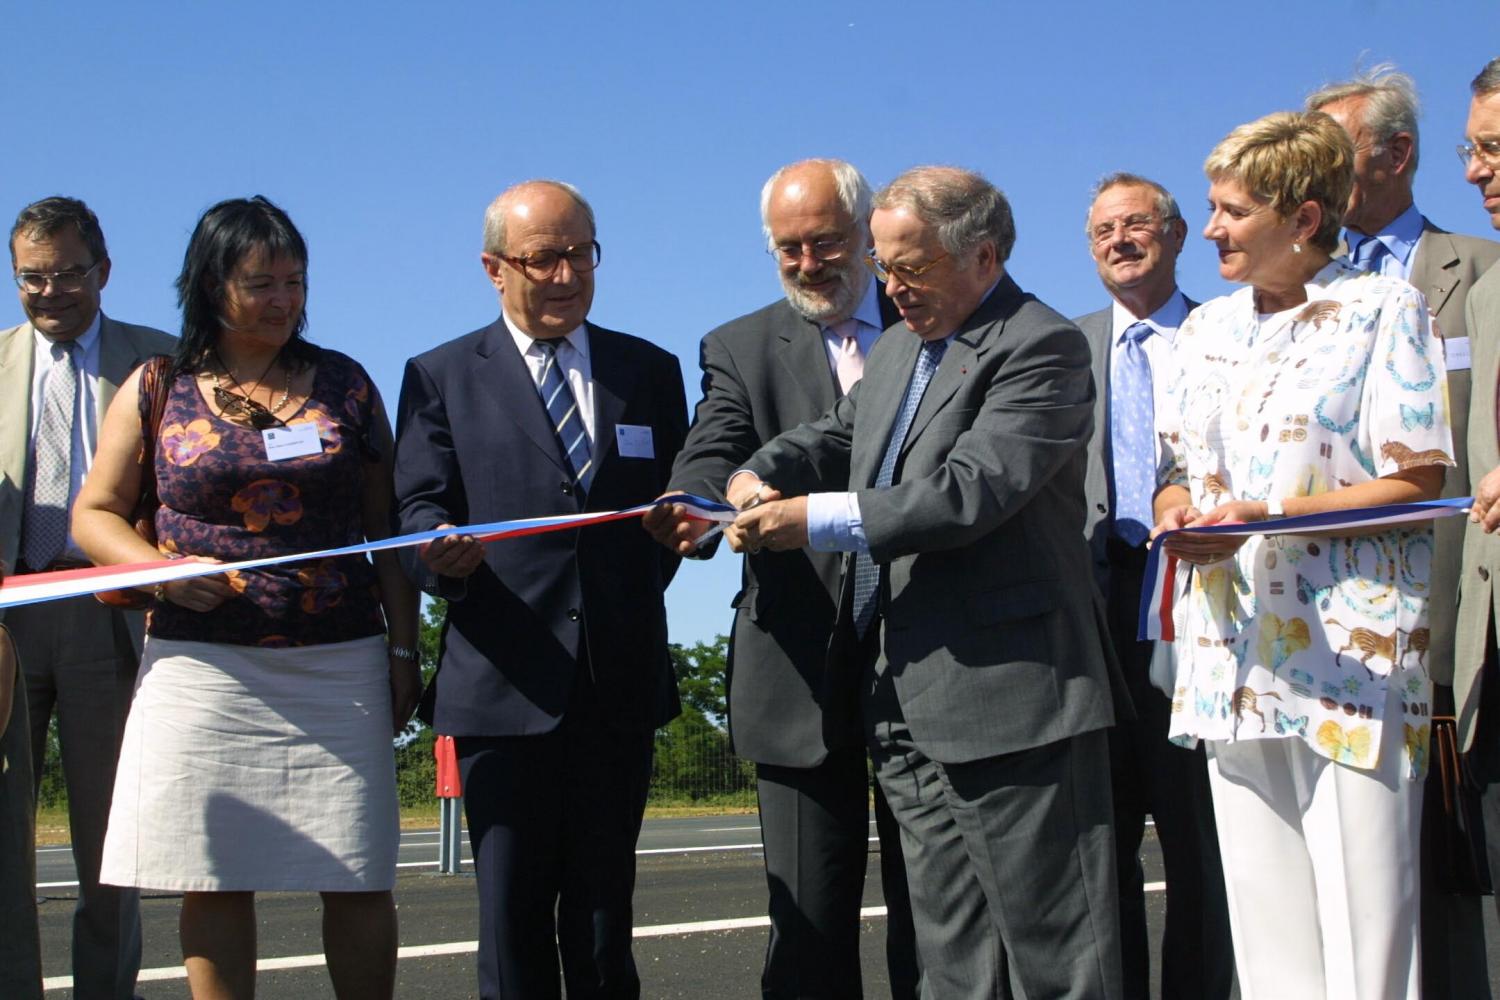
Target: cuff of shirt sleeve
{"type": "Point", "coordinates": [834, 523]}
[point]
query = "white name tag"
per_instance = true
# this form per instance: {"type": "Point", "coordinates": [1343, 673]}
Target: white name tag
{"type": "Point", "coordinates": [283, 443]}
{"type": "Point", "coordinates": [1456, 353]}
{"type": "Point", "coordinates": [634, 441]}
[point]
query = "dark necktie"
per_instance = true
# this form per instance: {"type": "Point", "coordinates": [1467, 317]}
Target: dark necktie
{"type": "Point", "coordinates": [567, 423]}
{"type": "Point", "coordinates": [866, 573]}
{"type": "Point", "coordinates": [1132, 431]}
{"type": "Point", "coordinates": [46, 514]}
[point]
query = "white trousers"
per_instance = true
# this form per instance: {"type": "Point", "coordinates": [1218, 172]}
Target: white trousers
{"type": "Point", "coordinates": [1321, 869]}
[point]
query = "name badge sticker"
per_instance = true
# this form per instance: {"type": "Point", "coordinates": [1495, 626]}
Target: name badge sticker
{"type": "Point", "coordinates": [1456, 353]}
{"type": "Point", "coordinates": [296, 441]}
{"type": "Point", "coordinates": [634, 441]}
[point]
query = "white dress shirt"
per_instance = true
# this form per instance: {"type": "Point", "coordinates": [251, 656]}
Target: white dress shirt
{"type": "Point", "coordinates": [85, 415]}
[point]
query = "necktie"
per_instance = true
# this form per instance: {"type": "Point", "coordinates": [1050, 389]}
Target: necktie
{"type": "Point", "coordinates": [866, 573]}
{"type": "Point", "coordinates": [46, 514]}
{"type": "Point", "coordinates": [1370, 254]}
{"type": "Point", "coordinates": [563, 409]}
{"type": "Point", "coordinates": [851, 363]}
{"type": "Point", "coordinates": [1132, 429]}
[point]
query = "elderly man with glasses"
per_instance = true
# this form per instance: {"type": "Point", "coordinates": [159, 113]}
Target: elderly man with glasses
{"type": "Point", "coordinates": [553, 673]}
{"type": "Point", "coordinates": [763, 374]}
{"type": "Point", "coordinates": [58, 372]}
{"type": "Point", "coordinates": [952, 479]}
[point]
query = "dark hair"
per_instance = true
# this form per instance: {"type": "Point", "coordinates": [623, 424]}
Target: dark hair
{"type": "Point", "coordinates": [227, 234]}
{"type": "Point", "coordinates": [50, 216]}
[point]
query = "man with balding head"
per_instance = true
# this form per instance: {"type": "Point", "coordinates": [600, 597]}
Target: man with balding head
{"type": "Point", "coordinates": [952, 477]}
{"type": "Point", "coordinates": [553, 673]}
{"type": "Point", "coordinates": [1384, 231]}
{"type": "Point", "coordinates": [763, 374]}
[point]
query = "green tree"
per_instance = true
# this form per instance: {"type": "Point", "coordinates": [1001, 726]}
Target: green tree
{"type": "Point", "coordinates": [701, 677]}
{"type": "Point", "coordinates": [416, 769]}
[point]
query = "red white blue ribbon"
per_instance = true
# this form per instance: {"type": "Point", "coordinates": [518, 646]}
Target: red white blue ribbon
{"type": "Point", "coordinates": [1167, 581]}
{"type": "Point", "coordinates": [34, 588]}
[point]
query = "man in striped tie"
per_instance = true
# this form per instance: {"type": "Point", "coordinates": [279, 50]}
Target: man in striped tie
{"type": "Point", "coordinates": [554, 671]}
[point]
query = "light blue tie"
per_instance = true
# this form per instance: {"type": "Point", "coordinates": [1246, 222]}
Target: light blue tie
{"type": "Point", "coordinates": [46, 509]}
{"type": "Point", "coordinates": [567, 423]}
{"type": "Point", "coordinates": [1132, 432]}
{"type": "Point", "coordinates": [1369, 254]}
{"type": "Point", "coordinates": [866, 573]}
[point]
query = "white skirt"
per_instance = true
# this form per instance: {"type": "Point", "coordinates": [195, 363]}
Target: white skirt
{"type": "Point", "coordinates": [245, 768]}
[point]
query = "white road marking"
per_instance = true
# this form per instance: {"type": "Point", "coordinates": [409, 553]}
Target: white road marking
{"type": "Point", "coordinates": [727, 829]}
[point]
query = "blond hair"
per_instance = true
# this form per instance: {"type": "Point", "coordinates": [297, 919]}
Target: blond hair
{"type": "Point", "coordinates": [1288, 158]}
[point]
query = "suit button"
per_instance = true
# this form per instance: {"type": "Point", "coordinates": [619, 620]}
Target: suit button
{"type": "Point", "coordinates": [573, 614]}
{"type": "Point", "coordinates": [567, 489]}
{"type": "Point", "coordinates": [1484, 573]}
{"type": "Point", "coordinates": [1099, 507]}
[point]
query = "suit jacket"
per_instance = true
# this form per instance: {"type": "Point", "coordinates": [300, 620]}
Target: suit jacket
{"type": "Point", "coordinates": [763, 374]}
{"type": "Point", "coordinates": [1444, 269]}
{"type": "Point", "coordinates": [474, 445]}
{"type": "Point", "coordinates": [1479, 597]}
{"type": "Point", "coordinates": [992, 636]}
{"type": "Point", "coordinates": [122, 347]}
{"type": "Point", "coordinates": [1099, 328]}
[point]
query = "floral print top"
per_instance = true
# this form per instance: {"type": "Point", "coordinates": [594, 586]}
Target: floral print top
{"type": "Point", "coordinates": [1304, 636]}
{"type": "Point", "coordinates": [221, 497]}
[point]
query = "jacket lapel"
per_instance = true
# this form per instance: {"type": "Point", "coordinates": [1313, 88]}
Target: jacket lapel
{"type": "Point", "coordinates": [879, 396]}
{"type": "Point", "coordinates": [805, 359]}
{"type": "Point", "coordinates": [615, 374]}
{"type": "Point", "coordinates": [510, 388]}
{"type": "Point", "coordinates": [16, 361]}
{"type": "Point", "coordinates": [1434, 267]}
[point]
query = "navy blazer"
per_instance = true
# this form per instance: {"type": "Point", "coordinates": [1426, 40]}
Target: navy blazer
{"type": "Point", "coordinates": [474, 445]}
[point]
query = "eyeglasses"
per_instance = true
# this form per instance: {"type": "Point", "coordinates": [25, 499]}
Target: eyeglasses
{"type": "Point", "coordinates": [905, 273]}
{"type": "Point", "coordinates": [238, 407]}
{"type": "Point", "coordinates": [823, 251]}
{"type": "Point", "coordinates": [35, 282]}
{"type": "Point", "coordinates": [1134, 226]}
{"type": "Point", "coordinates": [541, 265]}
{"type": "Point", "coordinates": [1488, 151]}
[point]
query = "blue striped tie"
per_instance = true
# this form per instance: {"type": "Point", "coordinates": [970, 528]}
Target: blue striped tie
{"type": "Point", "coordinates": [1132, 430]}
{"type": "Point", "coordinates": [866, 573]}
{"type": "Point", "coordinates": [567, 423]}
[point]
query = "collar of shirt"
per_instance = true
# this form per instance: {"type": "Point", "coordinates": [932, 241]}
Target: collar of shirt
{"type": "Point", "coordinates": [1400, 237]}
{"type": "Point", "coordinates": [577, 339]}
{"type": "Point", "coordinates": [1164, 321]}
{"type": "Point", "coordinates": [575, 363]}
{"type": "Point", "coordinates": [87, 357]}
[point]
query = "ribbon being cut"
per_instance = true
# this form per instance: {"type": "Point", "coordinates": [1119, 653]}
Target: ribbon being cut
{"type": "Point", "coordinates": [36, 587]}
{"type": "Point", "coordinates": [1167, 579]}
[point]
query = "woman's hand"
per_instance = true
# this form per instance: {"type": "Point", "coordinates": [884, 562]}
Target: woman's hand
{"type": "Point", "coordinates": [197, 593]}
{"type": "Point", "coordinates": [1207, 548]}
{"type": "Point", "coordinates": [406, 691]}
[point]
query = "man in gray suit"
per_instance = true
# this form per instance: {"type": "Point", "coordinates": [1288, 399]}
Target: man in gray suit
{"type": "Point", "coordinates": [763, 374]}
{"type": "Point", "coordinates": [58, 373]}
{"type": "Point", "coordinates": [954, 481]}
{"type": "Point", "coordinates": [1135, 233]}
{"type": "Point", "coordinates": [1384, 231]}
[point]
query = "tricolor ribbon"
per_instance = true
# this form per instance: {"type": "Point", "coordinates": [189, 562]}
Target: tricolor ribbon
{"type": "Point", "coordinates": [1167, 579]}
{"type": "Point", "coordinates": [33, 588]}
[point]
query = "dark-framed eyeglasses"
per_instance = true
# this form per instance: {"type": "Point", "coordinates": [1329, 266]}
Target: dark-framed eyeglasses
{"type": "Point", "coordinates": [238, 407]}
{"type": "Point", "coordinates": [1137, 226]}
{"type": "Point", "coordinates": [1488, 151]}
{"type": "Point", "coordinates": [825, 251]}
{"type": "Point", "coordinates": [907, 274]}
{"type": "Point", "coordinates": [541, 265]}
{"type": "Point", "coordinates": [35, 282]}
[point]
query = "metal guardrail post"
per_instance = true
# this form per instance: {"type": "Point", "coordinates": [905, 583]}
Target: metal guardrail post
{"type": "Point", "coordinates": [450, 818]}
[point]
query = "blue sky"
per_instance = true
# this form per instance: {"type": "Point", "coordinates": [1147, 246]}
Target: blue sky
{"type": "Point", "coordinates": [385, 128]}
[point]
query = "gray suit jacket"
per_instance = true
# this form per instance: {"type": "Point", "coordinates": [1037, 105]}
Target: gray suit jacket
{"type": "Point", "coordinates": [1479, 597]}
{"type": "Point", "coordinates": [1099, 328]}
{"type": "Point", "coordinates": [122, 346]}
{"type": "Point", "coordinates": [993, 636]}
{"type": "Point", "coordinates": [765, 373]}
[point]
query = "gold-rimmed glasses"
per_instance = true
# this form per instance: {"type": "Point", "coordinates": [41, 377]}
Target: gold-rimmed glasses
{"type": "Point", "coordinates": [907, 274]}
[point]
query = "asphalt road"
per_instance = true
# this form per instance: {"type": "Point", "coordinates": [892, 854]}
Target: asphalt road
{"type": "Point", "coordinates": [700, 926]}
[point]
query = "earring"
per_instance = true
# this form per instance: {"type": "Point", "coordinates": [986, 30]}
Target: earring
{"type": "Point", "coordinates": [1296, 248]}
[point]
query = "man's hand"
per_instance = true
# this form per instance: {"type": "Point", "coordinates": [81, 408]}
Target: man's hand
{"type": "Point", "coordinates": [777, 525]}
{"type": "Point", "coordinates": [1208, 548]}
{"type": "Point", "coordinates": [452, 555]}
{"type": "Point", "coordinates": [670, 525]}
{"type": "Point", "coordinates": [1485, 510]}
{"type": "Point", "coordinates": [746, 489]}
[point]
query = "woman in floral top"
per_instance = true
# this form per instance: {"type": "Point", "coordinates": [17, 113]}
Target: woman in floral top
{"type": "Point", "coordinates": [257, 754]}
{"type": "Point", "coordinates": [1301, 661]}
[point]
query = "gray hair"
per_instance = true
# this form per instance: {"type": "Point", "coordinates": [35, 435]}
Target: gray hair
{"type": "Point", "coordinates": [1166, 205]}
{"type": "Point", "coordinates": [1488, 80]}
{"type": "Point", "coordinates": [967, 210]}
{"type": "Point", "coordinates": [494, 216]}
{"type": "Point", "coordinates": [1390, 104]}
{"type": "Point", "coordinates": [854, 193]}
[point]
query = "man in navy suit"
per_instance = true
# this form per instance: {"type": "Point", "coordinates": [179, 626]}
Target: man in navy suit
{"type": "Point", "coordinates": [554, 670]}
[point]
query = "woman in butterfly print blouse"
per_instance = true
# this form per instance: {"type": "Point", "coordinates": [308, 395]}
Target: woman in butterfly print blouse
{"type": "Point", "coordinates": [1317, 387]}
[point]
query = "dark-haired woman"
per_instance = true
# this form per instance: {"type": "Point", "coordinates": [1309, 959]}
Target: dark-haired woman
{"type": "Point", "coordinates": [257, 755]}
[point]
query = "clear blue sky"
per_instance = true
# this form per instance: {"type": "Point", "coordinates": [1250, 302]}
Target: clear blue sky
{"type": "Point", "coordinates": [385, 129]}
